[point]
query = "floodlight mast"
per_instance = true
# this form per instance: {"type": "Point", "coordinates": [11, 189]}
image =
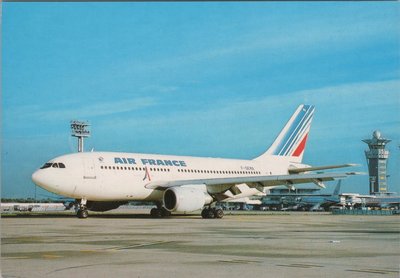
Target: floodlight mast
{"type": "Point", "coordinates": [79, 130]}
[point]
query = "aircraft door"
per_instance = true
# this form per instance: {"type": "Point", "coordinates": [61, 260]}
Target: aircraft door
{"type": "Point", "coordinates": [89, 172]}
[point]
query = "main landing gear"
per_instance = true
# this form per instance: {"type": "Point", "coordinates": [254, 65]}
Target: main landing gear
{"type": "Point", "coordinates": [212, 213]}
{"type": "Point", "coordinates": [159, 212]}
{"type": "Point", "coordinates": [82, 211]}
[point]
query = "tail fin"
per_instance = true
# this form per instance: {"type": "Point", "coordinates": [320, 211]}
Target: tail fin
{"type": "Point", "coordinates": [337, 188]}
{"type": "Point", "coordinates": [291, 141]}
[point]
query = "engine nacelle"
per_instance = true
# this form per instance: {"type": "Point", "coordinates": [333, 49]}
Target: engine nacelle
{"type": "Point", "coordinates": [185, 199]}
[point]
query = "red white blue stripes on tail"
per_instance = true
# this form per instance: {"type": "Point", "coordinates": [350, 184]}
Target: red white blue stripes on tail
{"type": "Point", "coordinates": [292, 140]}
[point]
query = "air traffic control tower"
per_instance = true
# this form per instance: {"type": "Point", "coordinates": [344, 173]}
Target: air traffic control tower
{"type": "Point", "coordinates": [377, 158]}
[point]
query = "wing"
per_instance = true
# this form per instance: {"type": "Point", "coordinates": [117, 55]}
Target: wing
{"type": "Point", "coordinates": [309, 169]}
{"type": "Point", "coordinates": [251, 181]}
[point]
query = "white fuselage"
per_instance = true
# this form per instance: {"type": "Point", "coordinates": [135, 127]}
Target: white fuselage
{"type": "Point", "coordinates": [108, 176]}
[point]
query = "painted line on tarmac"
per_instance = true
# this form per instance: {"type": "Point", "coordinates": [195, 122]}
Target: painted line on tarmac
{"type": "Point", "coordinates": [138, 245]}
{"type": "Point", "coordinates": [15, 258]}
{"type": "Point", "coordinates": [238, 261]}
{"type": "Point", "coordinates": [376, 271]}
{"type": "Point", "coordinates": [300, 265]}
{"type": "Point", "coordinates": [51, 256]}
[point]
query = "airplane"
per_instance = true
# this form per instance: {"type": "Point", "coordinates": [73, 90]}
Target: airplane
{"type": "Point", "coordinates": [31, 207]}
{"type": "Point", "coordinates": [314, 202]}
{"type": "Point", "coordinates": [102, 181]}
{"type": "Point", "coordinates": [387, 202]}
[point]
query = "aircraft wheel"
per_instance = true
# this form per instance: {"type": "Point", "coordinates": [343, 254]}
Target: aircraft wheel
{"type": "Point", "coordinates": [210, 213]}
{"type": "Point", "coordinates": [218, 213]}
{"type": "Point", "coordinates": [82, 213]}
{"type": "Point", "coordinates": [204, 213]}
{"type": "Point", "coordinates": [156, 213]}
{"type": "Point", "coordinates": [165, 212]}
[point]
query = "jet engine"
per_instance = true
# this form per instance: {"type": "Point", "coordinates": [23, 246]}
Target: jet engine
{"type": "Point", "coordinates": [103, 206]}
{"type": "Point", "coordinates": [185, 199]}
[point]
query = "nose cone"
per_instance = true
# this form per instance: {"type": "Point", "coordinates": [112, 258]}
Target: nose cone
{"type": "Point", "coordinates": [45, 180]}
{"type": "Point", "coordinates": [54, 180]}
{"type": "Point", "coordinates": [38, 178]}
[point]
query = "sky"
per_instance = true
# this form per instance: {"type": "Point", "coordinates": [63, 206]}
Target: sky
{"type": "Point", "coordinates": [213, 79]}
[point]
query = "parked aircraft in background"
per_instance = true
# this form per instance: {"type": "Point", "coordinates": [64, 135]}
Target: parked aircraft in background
{"type": "Point", "coordinates": [32, 207]}
{"type": "Point", "coordinates": [391, 202]}
{"type": "Point", "coordinates": [102, 181]}
{"type": "Point", "coordinates": [356, 200]}
{"type": "Point", "coordinates": [319, 201]}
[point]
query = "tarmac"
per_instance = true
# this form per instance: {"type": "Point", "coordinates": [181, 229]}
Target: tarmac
{"type": "Point", "coordinates": [265, 244]}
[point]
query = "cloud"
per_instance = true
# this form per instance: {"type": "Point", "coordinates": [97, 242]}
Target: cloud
{"type": "Point", "coordinates": [83, 111]}
{"type": "Point", "coordinates": [354, 104]}
{"type": "Point", "coordinates": [310, 37]}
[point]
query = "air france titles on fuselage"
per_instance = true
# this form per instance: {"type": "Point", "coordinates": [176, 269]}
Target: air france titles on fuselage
{"type": "Point", "coordinates": [150, 162]}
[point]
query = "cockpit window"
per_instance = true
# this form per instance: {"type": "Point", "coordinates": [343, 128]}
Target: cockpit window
{"type": "Point", "coordinates": [54, 165]}
{"type": "Point", "coordinates": [46, 165]}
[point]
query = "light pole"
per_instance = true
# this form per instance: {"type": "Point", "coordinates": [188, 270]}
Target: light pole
{"type": "Point", "coordinates": [80, 130]}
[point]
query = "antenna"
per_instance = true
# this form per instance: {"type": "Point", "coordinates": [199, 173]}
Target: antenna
{"type": "Point", "coordinates": [79, 130]}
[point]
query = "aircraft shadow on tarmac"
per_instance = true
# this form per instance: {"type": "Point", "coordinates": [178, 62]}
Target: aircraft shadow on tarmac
{"type": "Point", "coordinates": [97, 215]}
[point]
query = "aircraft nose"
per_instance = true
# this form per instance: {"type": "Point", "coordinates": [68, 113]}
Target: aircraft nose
{"type": "Point", "coordinates": [45, 180]}
{"type": "Point", "coordinates": [37, 177]}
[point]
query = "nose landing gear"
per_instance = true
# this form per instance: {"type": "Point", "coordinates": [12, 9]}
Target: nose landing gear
{"type": "Point", "coordinates": [82, 211]}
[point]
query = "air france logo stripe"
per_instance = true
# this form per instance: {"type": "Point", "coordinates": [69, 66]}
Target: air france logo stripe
{"type": "Point", "coordinates": [299, 135]}
{"type": "Point", "coordinates": [295, 138]}
{"type": "Point", "coordinates": [300, 148]}
{"type": "Point", "coordinates": [294, 134]}
{"type": "Point", "coordinates": [285, 142]}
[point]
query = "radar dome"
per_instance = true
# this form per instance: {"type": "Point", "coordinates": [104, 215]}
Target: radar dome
{"type": "Point", "coordinates": [377, 134]}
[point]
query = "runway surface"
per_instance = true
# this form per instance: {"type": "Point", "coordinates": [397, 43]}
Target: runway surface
{"type": "Point", "coordinates": [261, 245]}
